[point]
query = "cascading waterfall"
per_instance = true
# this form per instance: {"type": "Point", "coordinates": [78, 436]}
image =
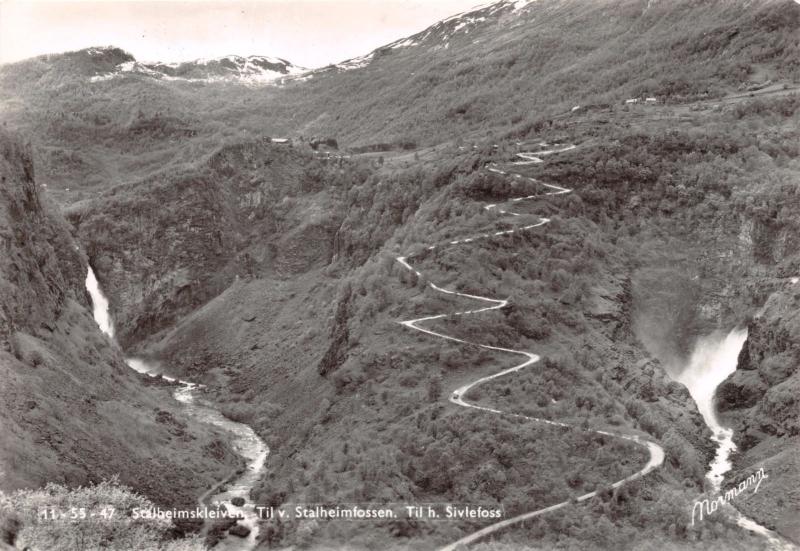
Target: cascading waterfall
{"type": "Point", "coordinates": [99, 304]}
{"type": "Point", "coordinates": [246, 442]}
{"type": "Point", "coordinates": [713, 360]}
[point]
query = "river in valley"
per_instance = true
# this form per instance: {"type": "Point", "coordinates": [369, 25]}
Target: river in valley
{"type": "Point", "coordinates": [245, 441]}
{"type": "Point", "coordinates": [713, 359]}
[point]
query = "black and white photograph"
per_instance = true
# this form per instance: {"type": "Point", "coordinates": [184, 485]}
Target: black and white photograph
{"type": "Point", "coordinates": [400, 275]}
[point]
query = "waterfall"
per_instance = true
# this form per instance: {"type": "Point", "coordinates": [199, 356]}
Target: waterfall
{"type": "Point", "coordinates": [245, 440]}
{"type": "Point", "coordinates": [99, 304]}
{"type": "Point", "coordinates": [713, 359]}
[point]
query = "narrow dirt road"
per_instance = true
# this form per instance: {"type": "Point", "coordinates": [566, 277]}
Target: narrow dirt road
{"type": "Point", "coordinates": [458, 396]}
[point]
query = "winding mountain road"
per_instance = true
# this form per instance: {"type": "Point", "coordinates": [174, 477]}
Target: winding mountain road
{"type": "Point", "coordinates": [457, 397]}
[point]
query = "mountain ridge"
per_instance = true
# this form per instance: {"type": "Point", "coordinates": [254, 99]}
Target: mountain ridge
{"type": "Point", "coordinates": [101, 63]}
{"type": "Point", "coordinates": [251, 69]}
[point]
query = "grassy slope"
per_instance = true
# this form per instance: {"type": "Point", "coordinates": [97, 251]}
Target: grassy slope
{"type": "Point", "coordinates": [384, 375]}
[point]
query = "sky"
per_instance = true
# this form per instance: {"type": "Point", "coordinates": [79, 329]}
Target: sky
{"type": "Point", "coordinates": [309, 33]}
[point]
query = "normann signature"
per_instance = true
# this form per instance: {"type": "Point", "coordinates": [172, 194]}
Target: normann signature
{"type": "Point", "coordinates": [712, 505]}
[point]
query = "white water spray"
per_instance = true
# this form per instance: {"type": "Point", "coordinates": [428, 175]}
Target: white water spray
{"type": "Point", "coordinates": [713, 359]}
{"type": "Point", "coordinates": [99, 304]}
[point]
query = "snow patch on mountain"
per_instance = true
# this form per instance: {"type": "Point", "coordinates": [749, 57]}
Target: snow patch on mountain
{"type": "Point", "coordinates": [467, 21]}
{"type": "Point", "coordinates": [356, 62]}
{"type": "Point", "coordinates": [252, 70]}
{"type": "Point", "coordinates": [464, 23]}
{"type": "Point", "coordinates": [402, 43]}
{"type": "Point", "coordinates": [439, 35]}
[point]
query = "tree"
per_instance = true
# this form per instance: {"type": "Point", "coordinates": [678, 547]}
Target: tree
{"type": "Point", "coordinates": [434, 388]}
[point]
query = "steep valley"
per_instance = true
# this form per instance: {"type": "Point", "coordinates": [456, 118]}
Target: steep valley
{"type": "Point", "coordinates": [314, 362]}
{"type": "Point", "coordinates": [72, 412]}
{"type": "Point", "coordinates": [250, 209]}
{"type": "Point", "coordinates": [268, 271]}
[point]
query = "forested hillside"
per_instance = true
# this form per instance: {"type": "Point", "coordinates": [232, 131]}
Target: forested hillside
{"type": "Point", "coordinates": [664, 238]}
{"type": "Point", "coordinates": [268, 270]}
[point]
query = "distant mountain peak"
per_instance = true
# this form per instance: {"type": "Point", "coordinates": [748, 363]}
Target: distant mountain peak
{"type": "Point", "coordinates": [442, 31]}
{"type": "Point", "coordinates": [255, 69]}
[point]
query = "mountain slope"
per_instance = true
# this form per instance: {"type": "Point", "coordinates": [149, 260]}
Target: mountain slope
{"type": "Point", "coordinates": [503, 69]}
{"type": "Point", "coordinates": [515, 64]}
{"type": "Point", "coordinates": [164, 246]}
{"type": "Point", "coordinates": [681, 219]}
{"type": "Point", "coordinates": [72, 411]}
{"type": "Point", "coordinates": [670, 233]}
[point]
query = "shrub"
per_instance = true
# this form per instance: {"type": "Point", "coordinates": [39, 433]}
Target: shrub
{"type": "Point", "coordinates": [241, 413]}
{"type": "Point", "coordinates": [35, 358]}
{"type": "Point", "coordinates": [434, 388]}
{"type": "Point", "coordinates": [118, 532]}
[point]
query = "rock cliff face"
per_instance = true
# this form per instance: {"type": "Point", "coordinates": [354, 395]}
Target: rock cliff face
{"type": "Point", "coordinates": [41, 266]}
{"type": "Point", "coordinates": [759, 400]}
{"type": "Point", "coordinates": [167, 245]}
{"type": "Point", "coordinates": [762, 395]}
{"type": "Point", "coordinates": [70, 409]}
{"type": "Point", "coordinates": [710, 276]}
